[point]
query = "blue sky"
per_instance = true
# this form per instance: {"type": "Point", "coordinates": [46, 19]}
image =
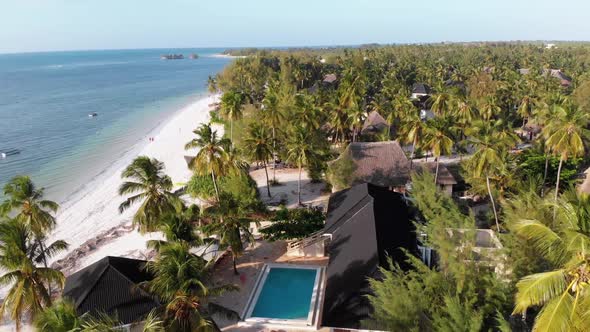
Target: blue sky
{"type": "Point", "coordinates": [42, 25]}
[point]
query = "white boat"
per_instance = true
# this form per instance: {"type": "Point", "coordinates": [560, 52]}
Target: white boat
{"type": "Point", "coordinates": [9, 152]}
{"type": "Point", "coordinates": [92, 115]}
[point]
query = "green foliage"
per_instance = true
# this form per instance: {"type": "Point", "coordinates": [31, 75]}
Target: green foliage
{"type": "Point", "coordinates": [146, 183]}
{"type": "Point", "coordinates": [340, 172]}
{"type": "Point", "coordinates": [241, 186]}
{"type": "Point", "coordinates": [532, 164]}
{"type": "Point", "coordinates": [60, 317]}
{"type": "Point", "coordinates": [289, 224]}
{"type": "Point", "coordinates": [461, 295]}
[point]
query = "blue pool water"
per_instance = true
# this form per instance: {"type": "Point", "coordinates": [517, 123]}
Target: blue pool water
{"type": "Point", "coordinates": [286, 294]}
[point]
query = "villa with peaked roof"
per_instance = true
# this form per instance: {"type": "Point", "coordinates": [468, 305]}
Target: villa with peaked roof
{"type": "Point", "coordinates": [111, 286]}
{"type": "Point", "coordinates": [420, 90]}
{"type": "Point", "coordinates": [365, 225]}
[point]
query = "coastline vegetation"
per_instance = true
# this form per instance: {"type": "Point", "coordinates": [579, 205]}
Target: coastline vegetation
{"type": "Point", "coordinates": [519, 138]}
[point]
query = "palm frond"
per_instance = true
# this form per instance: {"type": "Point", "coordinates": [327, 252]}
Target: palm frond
{"type": "Point", "coordinates": [539, 288]}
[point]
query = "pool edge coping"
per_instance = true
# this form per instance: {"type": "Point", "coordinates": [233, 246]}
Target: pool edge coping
{"type": "Point", "coordinates": [315, 305]}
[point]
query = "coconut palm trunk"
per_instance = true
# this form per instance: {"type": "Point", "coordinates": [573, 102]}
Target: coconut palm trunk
{"type": "Point", "coordinates": [274, 155]}
{"type": "Point", "coordinates": [235, 264]}
{"type": "Point", "coordinates": [436, 173]}
{"type": "Point", "coordinates": [267, 180]}
{"type": "Point", "coordinates": [557, 185]}
{"type": "Point", "coordinates": [545, 175]}
{"type": "Point", "coordinates": [493, 203]}
{"type": "Point", "coordinates": [231, 131]}
{"type": "Point", "coordinates": [215, 186]}
{"type": "Point", "coordinates": [413, 152]}
{"type": "Point", "coordinates": [299, 187]}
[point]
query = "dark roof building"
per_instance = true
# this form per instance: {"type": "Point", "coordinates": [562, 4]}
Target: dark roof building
{"type": "Point", "coordinates": [421, 89]}
{"type": "Point", "coordinates": [111, 286]}
{"type": "Point", "coordinates": [367, 224]}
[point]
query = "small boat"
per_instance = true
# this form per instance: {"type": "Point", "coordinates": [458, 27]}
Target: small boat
{"type": "Point", "coordinates": [172, 57]}
{"type": "Point", "coordinates": [92, 115]}
{"type": "Point", "coordinates": [8, 152]}
{"type": "Point", "coordinates": [194, 56]}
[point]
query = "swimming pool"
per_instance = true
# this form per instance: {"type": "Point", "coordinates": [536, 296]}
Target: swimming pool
{"type": "Point", "coordinates": [285, 294]}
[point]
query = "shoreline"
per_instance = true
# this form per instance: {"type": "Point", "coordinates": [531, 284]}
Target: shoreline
{"type": "Point", "coordinates": [89, 219]}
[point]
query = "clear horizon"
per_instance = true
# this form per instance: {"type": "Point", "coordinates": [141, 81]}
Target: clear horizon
{"type": "Point", "coordinates": [66, 25]}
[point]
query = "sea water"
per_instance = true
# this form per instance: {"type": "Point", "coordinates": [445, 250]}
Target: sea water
{"type": "Point", "coordinates": [46, 99]}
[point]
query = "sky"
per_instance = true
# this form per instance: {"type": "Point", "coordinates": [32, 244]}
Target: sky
{"type": "Point", "coordinates": [48, 25]}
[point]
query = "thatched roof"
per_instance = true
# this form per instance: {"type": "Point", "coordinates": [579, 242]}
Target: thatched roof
{"type": "Point", "coordinates": [444, 176]}
{"type": "Point", "coordinates": [374, 123]}
{"type": "Point", "coordinates": [379, 163]}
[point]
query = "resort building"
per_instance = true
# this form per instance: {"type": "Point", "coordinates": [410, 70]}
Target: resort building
{"type": "Point", "coordinates": [366, 225]}
{"type": "Point", "coordinates": [445, 179]}
{"type": "Point", "coordinates": [380, 163]}
{"type": "Point", "coordinates": [383, 164]}
{"type": "Point", "coordinates": [374, 125]}
{"type": "Point", "coordinates": [485, 246]}
{"type": "Point", "coordinates": [110, 286]}
{"type": "Point", "coordinates": [565, 80]}
{"type": "Point", "coordinates": [420, 90]}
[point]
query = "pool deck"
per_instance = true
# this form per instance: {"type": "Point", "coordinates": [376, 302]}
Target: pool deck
{"type": "Point", "coordinates": [249, 266]}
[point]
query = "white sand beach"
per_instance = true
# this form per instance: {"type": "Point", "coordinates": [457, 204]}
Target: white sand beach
{"type": "Point", "coordinates": [91, 223]}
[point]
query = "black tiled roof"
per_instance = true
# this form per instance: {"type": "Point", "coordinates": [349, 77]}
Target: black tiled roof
{"type": "Point", "coordinates": [421, 88]}
{"type": "Point", "coordinates": [111, 286]}
{"type": "Point", "coordinates": [367, 223]}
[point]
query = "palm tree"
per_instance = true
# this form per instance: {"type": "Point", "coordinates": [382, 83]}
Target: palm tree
{"type": "Point", "coordinates": [182, 283]}
{"type": "Point", "coordinates": [301, 151]}
{"type": "Point", "coordinates": [489, 108]}
{"type": "Point", "coordinates": [274, 117]}
{"type": "Point", "coordinates": [356, 118]}
{"type": "Point", "coordinates": [257, 145]}
{"type": "Point", "coordinates": [490, 141]}
{"type": "Point", "coordinates": [415, 131]}
{"type": "Point", "coordinates": [565, 134]}
{"type": "Point", "coordinates": [179, 227]}
{"type": "Point", "coordinates": [307, 113]}
{"type": "Point", "coordinates": [32, 209]}
{"type": "Point", "coordinates": [212, 158]}
{"type": "Point", "coordinates": [525, 109]}
{"type": "Point", "coordinates": [563, 291]}
{"type": "Point", "coordinates": [441, 103]}
{"type": "Point", "coordinates": [338, 120]}
{"type": "Point", "coordinates": [232, 230]}
{"type": "Point", "coordinates": [148, 184]}
{"type": "Point", "coordinates": [438, 139]}
{"type": "Point", "coordinates": [231, 108]}
{"type": "Point", "coordinates": [28, 292]}
{"type": "Point", "coordinates": [60, 317]}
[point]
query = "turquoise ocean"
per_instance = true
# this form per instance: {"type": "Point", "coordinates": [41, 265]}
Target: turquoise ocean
{"type": "Point", "coordinates": [46, 99]}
